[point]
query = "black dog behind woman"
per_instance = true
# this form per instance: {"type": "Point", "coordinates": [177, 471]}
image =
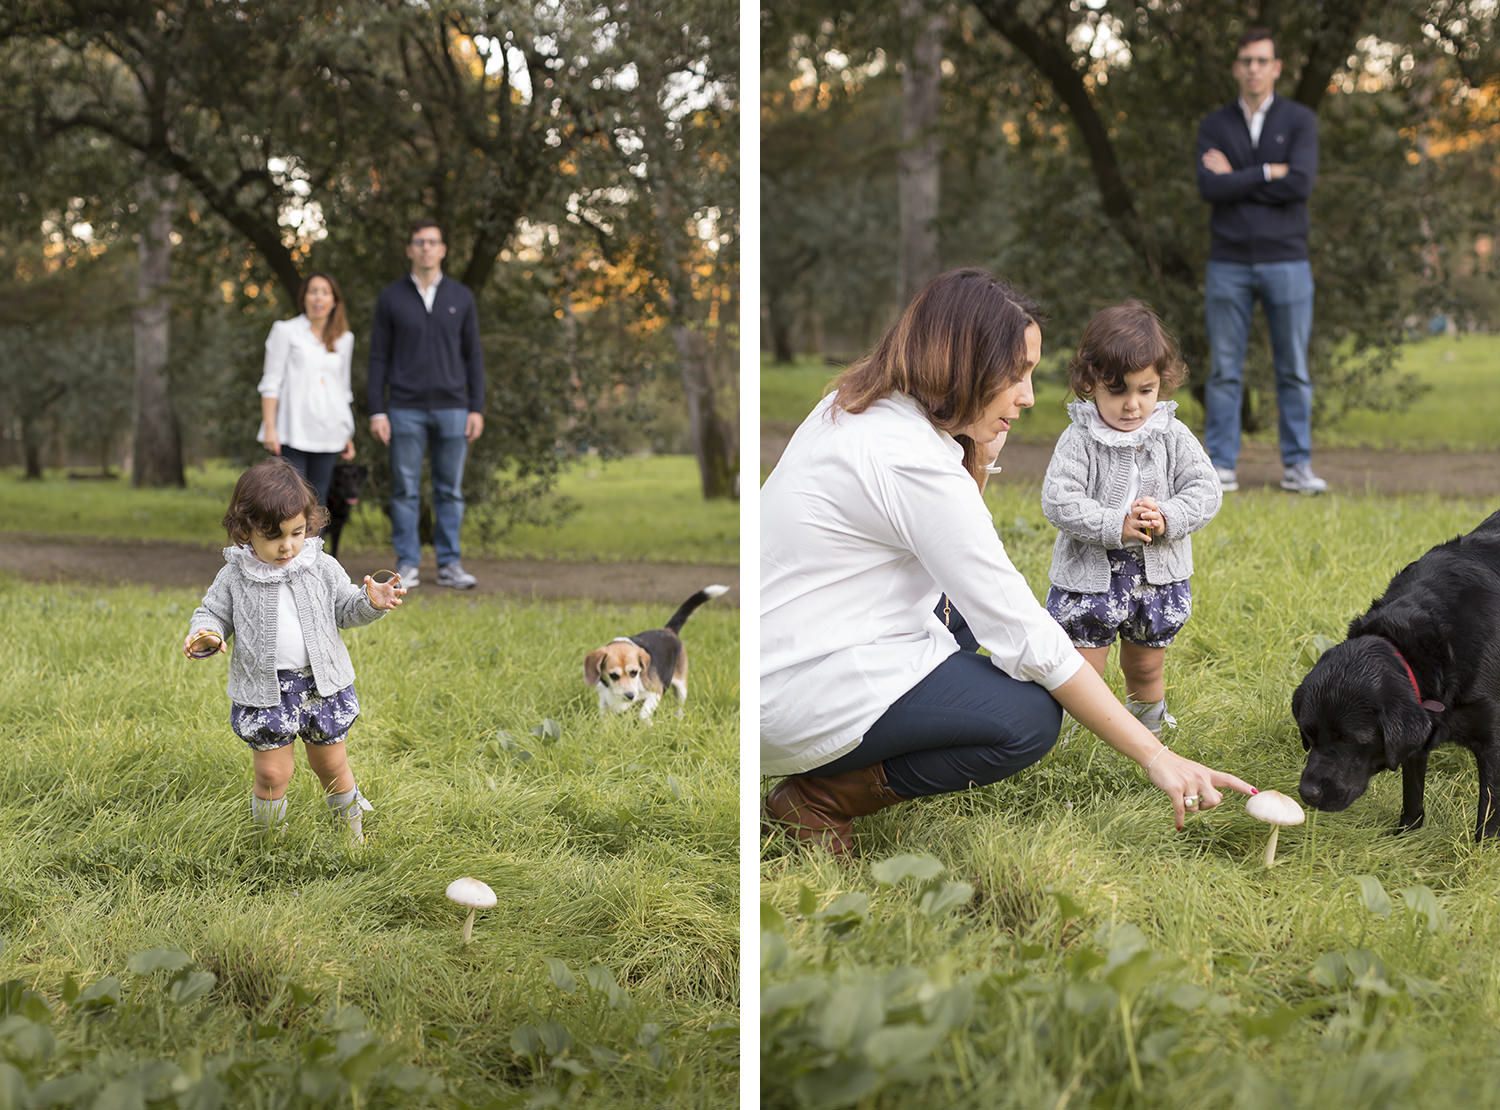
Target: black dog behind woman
{"type": "Point", "coordinates": [343, 495]}
{"type": "Point", "coordinates": [1419, 669]}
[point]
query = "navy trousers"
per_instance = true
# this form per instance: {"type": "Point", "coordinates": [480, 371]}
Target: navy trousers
{"type": "Point", "coordinates": [966, 724]}
{"type": "Point", "coordinates": [315, 466]}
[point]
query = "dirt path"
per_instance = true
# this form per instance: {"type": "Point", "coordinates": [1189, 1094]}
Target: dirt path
{"type": "Point", "coordinates": [1447, 474]}
{"type": "Point", "coordinates": [37, 558]}
{"type": "Point", "coordinates": [40, 558]}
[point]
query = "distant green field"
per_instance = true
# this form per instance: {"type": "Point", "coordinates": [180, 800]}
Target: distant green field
{"type": "Point", "coordinates": [788, 393]}
{"type": "Point", "coordinates": [1454, 414]}
{"type": "Point", "coordinates": [631, 509]}
{"type": "Point", "coordinates": [1457, 413]}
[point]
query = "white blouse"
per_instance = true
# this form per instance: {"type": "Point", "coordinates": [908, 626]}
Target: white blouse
{"type": "Point", "coordinates": [866, 519]}
{"type": "Point", "coordinates": [314, 410]}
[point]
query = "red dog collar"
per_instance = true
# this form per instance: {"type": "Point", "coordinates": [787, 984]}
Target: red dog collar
{"type": "Point", "coordinates": [1428, 703]}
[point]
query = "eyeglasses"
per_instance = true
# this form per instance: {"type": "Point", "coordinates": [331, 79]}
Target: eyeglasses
{"type": "Point", "coordinates": [427, 242]}
{"type": "Point", "coordinates": [1251, 61]}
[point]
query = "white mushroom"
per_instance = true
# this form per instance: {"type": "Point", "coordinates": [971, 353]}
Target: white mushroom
{"type": "Point", "coordinates": [1276, 809]}
{"type": "Point", "coordinates": [474, 894]}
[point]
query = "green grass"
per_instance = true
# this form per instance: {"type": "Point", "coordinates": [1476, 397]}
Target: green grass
{"type": "Point", "coordinates": [606, 975]}
{"type": "Point", "coordinates": [1456, 414]}
{"type": "Point", "coordinates": [1453, 414]}
{"type": "Point", "coordinates": [1054, 936]}
{"type": "Point", "coordinates": [627, 510]}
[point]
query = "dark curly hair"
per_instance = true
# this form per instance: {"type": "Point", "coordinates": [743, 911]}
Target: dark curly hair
{"type": "Point", "coordinates": [1120, 340]}
{"type": "Point", "coordinates": [265, 496]}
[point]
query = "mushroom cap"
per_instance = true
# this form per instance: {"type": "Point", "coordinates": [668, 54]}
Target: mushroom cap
{"type": "Point", "coordinates": [1274, 807]}
{"type": "Point", "coordinates": [472, 893]}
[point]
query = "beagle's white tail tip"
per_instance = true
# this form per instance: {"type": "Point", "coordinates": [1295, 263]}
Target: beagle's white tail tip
{"type": "Point", "coordinates": [715, 591]}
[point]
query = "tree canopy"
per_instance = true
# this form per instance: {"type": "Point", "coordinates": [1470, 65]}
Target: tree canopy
{"type": "Point", "coordinates": [1068, 136]}
{"type": "Point", "coordinates": [310, 135]}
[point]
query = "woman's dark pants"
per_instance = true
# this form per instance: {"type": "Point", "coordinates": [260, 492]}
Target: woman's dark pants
{"type": "Point", "coordinates": [966, 724]}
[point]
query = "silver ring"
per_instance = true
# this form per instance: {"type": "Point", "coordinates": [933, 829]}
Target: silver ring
{"type": "Point", "coordinates": [1190, 801]}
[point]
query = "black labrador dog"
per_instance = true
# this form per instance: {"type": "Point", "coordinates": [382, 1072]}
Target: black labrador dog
{"type": "Point", "coordinates": [1419, 669]}
{"type": "Point", "coordinates": [343, 495]}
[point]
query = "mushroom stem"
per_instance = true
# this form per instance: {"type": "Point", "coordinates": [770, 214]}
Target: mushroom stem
{"type": "Point", "coordinates": [469, 921]}
{"type": "Point", "coordinates": [1271, 846]}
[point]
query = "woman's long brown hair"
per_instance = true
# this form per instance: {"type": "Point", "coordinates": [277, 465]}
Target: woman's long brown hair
{"type": "Point", "coordinates": [958, 344]}
{"type": "Point", "coordinates": [337, 323]}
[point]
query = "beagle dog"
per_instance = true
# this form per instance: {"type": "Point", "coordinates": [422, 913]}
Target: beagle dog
{"type": "Point", "coordinates": [636, 670]}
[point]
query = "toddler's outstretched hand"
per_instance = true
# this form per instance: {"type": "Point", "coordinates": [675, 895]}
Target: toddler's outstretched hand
{"type": "Point", "coordinates": [384, 595]}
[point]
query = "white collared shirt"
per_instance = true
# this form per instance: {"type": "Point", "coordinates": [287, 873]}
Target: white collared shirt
{"type": "Point", "coordinates": [428, 294]}
{"type": "Point", "coordinates": [866, 520]}
{"type": "Point", "coordinates": [1256, 122]}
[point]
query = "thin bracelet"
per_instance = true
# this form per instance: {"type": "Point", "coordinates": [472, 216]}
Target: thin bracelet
{"type": "Point", "coordinates": [1154, 758]}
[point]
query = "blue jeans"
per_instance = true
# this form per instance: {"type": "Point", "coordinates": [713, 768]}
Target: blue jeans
{"type": "Point", "coordinates": [1285, 291]}
{"type": "Point", "coordinates": [966, 724]}
{"type": "Point", "coordinates": [415, 433]}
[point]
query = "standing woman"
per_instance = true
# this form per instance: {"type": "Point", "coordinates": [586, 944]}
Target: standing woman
{"type": "Point", "coordinates": [876, 509]}
{"type": "Point", "coordinates": [306, 404]}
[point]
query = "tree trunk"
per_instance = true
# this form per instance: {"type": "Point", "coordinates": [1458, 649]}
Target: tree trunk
{"type": "Point", "coordinates": [779, 319]}
{"type": "Point", "coordinates": [714, 442]}
{"type": "Point", "coordinates": [917, 167]}
{"type": "Point", "coordinates": [157, 452]}
{"type": "Point", "coordinates": [31, 447]}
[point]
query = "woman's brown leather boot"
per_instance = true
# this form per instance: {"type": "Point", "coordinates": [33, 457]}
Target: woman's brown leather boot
{"type": "Point", "coordinates": [821, 810]}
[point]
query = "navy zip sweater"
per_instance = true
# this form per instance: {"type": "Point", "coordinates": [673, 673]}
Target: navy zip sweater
{"type": "Point", "coordinates": [425, 360]}
{"type": "Point", "coordinates": [1254, 220]}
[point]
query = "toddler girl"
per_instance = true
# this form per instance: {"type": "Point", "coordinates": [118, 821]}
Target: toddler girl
{"type": "Point", "coordinates": [1127, 484]}
{"type": "Point", "coordinates": [283, 600]}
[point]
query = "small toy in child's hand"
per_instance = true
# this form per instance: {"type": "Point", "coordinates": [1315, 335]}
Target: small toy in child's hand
{"type": "Point", "coordinates": [205, 644]}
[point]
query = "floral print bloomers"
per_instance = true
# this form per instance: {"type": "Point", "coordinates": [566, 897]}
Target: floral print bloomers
{"type": "Point", "coordinates": [1139, 612]}
{"type": "Point", "coordinates": [303, 712]}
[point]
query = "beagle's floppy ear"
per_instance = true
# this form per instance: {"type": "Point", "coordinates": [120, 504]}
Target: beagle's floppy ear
{"type": "Point", "coordinates": [591, 667]}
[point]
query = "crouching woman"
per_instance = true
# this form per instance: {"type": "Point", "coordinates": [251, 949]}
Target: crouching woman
{"type": "Point", "coordinates": [875, 511]}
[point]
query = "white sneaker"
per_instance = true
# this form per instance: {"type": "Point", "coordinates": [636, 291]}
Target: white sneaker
{"type": "Point", "coordinates": [1301, 479]}
{"type": "Point", "coordinates": [1229, 481]}
{"type": "Point", "coordinates": [454, 575]}
{"type": "Point", "coordinates": [409, 579]}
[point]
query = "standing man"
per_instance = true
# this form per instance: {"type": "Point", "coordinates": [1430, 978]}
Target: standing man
{"type": "Point", "coordinates": [426, 391]}
{"type": "Point", "coordinates": [1257, 161]}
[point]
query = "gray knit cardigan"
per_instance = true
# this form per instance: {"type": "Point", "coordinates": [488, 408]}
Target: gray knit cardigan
{"type": "Point", "coordinates": [242, 603]}
{"type": "Point", "coordinates": [1086, 491]}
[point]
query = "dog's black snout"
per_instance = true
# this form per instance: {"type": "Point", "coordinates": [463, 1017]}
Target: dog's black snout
{"type": "Point", "coordinates": [628, 695]}
{"type": "Point", "coordinates": [1311, 793]}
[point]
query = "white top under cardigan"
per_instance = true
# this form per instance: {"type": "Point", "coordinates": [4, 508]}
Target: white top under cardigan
{"type": "Point", "coordinates": [311, 384]}
{"type": "Point", "coordinates": [291, 645]}
{"type": "Point", "coordinates": [866, 519]}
